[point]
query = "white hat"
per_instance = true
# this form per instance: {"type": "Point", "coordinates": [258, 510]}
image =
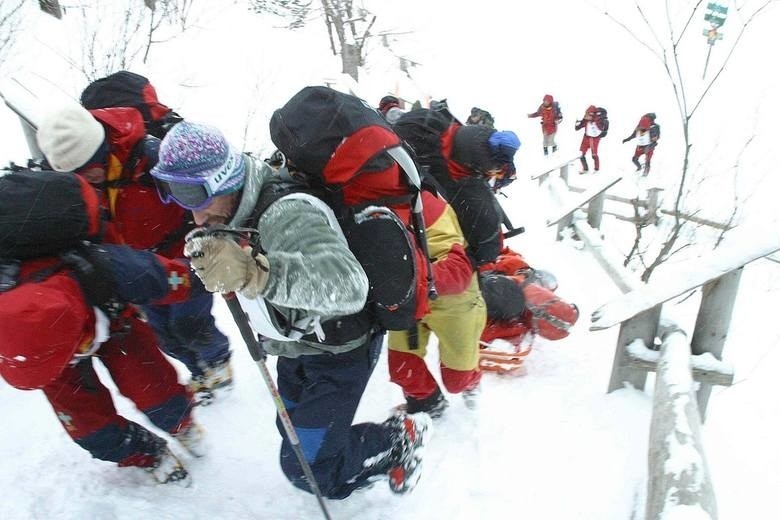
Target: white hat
{"type": "Point", "coordinates": [69, 137]}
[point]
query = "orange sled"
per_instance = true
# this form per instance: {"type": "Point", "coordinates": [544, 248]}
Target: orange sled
{"type": "Point", "coordinates": [504, 361]}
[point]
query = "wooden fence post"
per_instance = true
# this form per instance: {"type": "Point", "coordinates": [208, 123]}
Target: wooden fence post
{"type": "Point", "coordinates": [596, 210]}
{"type": "Point", "coordinates": [712, 324]}
{"type": "Point", "coordinates": [678, 477]}
{"type": "Point", "coordinates": [643, 326]}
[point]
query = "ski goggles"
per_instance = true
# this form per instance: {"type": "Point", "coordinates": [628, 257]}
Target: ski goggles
{"type": "Point", "coordinates": [193, 195]}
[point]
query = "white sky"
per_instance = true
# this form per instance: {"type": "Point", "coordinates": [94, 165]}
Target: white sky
{"type": "Point", "coordinates": [549, 445]}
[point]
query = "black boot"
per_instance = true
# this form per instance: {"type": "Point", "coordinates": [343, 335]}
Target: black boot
{"type": "Point", "coordinates": [635, 160]}
{"type": "Point", "coordinates": [545, 150]}
{"type": "Point", "coordinates": [584, 164]}
{"type": "Point", "coordinates": [434, 405]}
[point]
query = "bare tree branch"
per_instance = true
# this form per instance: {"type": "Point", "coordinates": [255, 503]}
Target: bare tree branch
{"type": "Point", "coordinates": [731, 51]}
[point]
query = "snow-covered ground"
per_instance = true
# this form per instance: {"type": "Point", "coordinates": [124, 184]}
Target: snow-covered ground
{"type": "Point", "coordinates": [548, 445]}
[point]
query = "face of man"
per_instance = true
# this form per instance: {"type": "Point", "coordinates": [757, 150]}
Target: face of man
{"type": "Point", "coordinates": [218, 212]}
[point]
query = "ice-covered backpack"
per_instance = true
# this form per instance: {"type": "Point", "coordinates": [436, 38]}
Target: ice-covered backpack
{"type": "Point", "coordinates": [45, 212]}
{"type": "Point", "coordinates": [127, 89]}
{"type": "Point", "coordinates": [601, 112]}
{"type": "Point", "coordinates": [353, 161]}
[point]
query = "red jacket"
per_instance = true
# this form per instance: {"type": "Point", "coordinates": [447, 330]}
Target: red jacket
{"type": "Point", "coordinates": [549, 117]}
{"type": "Point", "coordinates": [45, 322]}
{"type": "Point", "coordinates": [139, 217]}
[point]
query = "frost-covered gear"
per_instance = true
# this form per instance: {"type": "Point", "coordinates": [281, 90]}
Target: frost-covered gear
{"type": "Point", "coordinates": [354, 161]}
{"type": "Point", "coordinates": [225, 267]}
{"type": "Point", "coordinates": [412, 434]}
{"type": "Point", "coordinates": [69, 136]}
{"type": "Point", "coordinates": [457, 316]}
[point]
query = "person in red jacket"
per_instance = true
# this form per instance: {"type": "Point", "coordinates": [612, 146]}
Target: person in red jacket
{"type": "Point", "coordinates": [647, 133]}
{"type": "Point", "coordinates": [109, 147]}
{"type": "Point", "coordinates": [52, 324]}
{"type": "Point", "coordinates": [550, 112]}
{"type": "Point", "coordinates": [596, 125]}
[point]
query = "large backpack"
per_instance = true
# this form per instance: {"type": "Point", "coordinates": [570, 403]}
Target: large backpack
{"type": "Point", "coordinates": [557, 112]}
{"type": "Point", "coordinates": [127, 89]}
{"type": "Point", "coordinates": [43, 212]}
{"type": "Point", "coordinates": [602, 113]}
{"type": "Point", "coordinates": [338, 141]}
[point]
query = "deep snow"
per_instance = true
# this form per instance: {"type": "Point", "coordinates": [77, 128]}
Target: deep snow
{"type": "Point", "coordinates": [549, 445]}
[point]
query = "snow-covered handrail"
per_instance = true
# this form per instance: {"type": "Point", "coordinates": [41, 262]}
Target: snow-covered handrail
{"type": "Point", "coordinates": [685, 278]}
{"type": "Point", "coordinates": [678, 484]}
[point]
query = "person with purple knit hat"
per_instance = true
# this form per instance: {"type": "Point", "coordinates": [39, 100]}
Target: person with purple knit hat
{"type": "Point", "coordinates": [304, 293]}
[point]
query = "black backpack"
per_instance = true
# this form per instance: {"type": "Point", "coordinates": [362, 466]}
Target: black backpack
{"type": "Point", "coordinates": [557, 111]}
{"type": "Point", "coordinates": [422, 130]}
{"type": "Point", "coordinates": [332, 138]}
{"type": "Point", "coordinates": [127, 89]}
{"type": "Point", "coordinates": [602, 113]}
{"type": "Point", "coordinates": [43, 213]}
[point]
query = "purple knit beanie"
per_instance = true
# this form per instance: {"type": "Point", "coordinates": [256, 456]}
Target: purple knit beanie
{"type": "Point", "coordinates": [193, 152]}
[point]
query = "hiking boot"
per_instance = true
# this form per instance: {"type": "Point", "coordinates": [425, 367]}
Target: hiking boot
{"type": "Point", "coordinates": [471, 397]}
{"type": "Point", "coordinates": [192, 436]}
{"type": "Point", "coordinates": [434, 405]}
{"type": "Point", "coordinates": [168, 468]}
{"type": "Point", "coordinates": [219, 375]}
{"type": "Point", "coordinates": [410, 433]}
{"type": "Point", "coordinates": [201, 392]}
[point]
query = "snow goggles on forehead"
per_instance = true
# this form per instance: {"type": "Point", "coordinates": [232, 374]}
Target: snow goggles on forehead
{"type": "Point", "coordinates": [189, 195]}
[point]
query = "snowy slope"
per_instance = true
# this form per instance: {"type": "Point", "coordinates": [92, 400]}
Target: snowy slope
{"type": "Point", "coordinates": [549, 445]}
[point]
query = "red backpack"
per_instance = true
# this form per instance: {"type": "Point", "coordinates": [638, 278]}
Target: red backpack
{"type": "Point", "coordinates": [353, 161]}
{"type": "Point", "coordinates": [127, 89]}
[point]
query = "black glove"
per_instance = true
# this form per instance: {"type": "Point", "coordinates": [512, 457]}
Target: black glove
{"type": "Point", "coordinates": [627, 139]}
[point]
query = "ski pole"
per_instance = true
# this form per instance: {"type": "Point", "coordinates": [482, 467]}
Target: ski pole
{"type": "Point", "coordinates": [259, 355]}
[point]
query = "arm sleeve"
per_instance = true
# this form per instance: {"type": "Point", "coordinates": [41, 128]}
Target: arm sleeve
{"type": "Point", "coordinates": [142, 277]}
{"type": "Point", "coordinates": [452, 269]}
{"type": "Point", "coordinates": [312, 269]}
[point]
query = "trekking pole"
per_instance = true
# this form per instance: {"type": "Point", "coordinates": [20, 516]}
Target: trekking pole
{"type": "Point", "coordinates": [259, 356]}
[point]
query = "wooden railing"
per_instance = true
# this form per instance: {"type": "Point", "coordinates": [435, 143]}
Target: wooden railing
{"type": "Point", "coordinates": [678, 476]}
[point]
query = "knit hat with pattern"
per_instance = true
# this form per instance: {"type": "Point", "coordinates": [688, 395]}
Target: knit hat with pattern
{"type": "Point", "coordinates": [193, 151]}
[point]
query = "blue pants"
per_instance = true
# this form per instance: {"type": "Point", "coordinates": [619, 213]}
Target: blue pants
{"type": "Point", "coordinates": [321, 394]}
{"type": "Point", "coordinates": [187, 332]}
